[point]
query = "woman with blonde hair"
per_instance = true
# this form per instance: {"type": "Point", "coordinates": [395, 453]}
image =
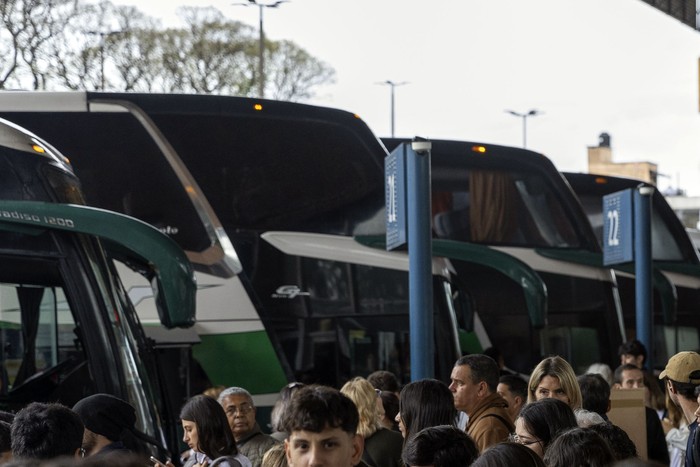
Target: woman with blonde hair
{"type": "Point", "coordinates": [382, 446]}
{"type": "Point", "coordinates": [275, 456]}
{"type": "Point", "coordinates": [554, 377]}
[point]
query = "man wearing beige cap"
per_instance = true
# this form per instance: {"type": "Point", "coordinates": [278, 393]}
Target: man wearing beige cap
{"type": "Point", "coordinates": [682, 376]}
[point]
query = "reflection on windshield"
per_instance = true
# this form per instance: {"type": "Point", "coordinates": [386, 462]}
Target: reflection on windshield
{"type": "Point", "coordinates": [499, 208]}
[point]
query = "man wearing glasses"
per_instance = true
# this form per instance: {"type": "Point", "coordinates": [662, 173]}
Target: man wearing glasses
{"type": "Point", "coordinates": [240, 411]}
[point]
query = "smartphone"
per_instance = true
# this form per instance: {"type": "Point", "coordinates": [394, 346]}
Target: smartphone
{"type": "Point", "coordinates": [156, 462]}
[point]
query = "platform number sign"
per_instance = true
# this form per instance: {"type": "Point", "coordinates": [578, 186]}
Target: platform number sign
{"type": "Point", "coordinates": [395, 197]}
{"type": "Point", "coordinates": [618, 223]}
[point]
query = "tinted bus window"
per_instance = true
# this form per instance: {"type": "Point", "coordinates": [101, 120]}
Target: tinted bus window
{"type": "Point", "coordinates": [499, 208]}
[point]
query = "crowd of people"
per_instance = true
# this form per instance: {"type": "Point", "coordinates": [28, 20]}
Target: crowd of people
{"type": "Point", "coordinates": [486, 416]}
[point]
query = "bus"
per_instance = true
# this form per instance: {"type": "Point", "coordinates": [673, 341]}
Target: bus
{"type": "Point", "coordinates": [514, 201]}
{"type": "Point", "coordinates": [67, 327]}
{"type": "Point", "coordinates": [676, 266]}
{"type": "Point", "coordinates": [216, 173]}
{"type": "Point", "coordinates": [280, 208]}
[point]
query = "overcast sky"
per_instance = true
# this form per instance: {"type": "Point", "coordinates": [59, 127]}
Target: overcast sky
{"type": "Point", "coordinates": [591, 66]}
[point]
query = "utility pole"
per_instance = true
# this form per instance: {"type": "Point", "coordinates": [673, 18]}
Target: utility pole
{"type": "Point", "coordinates": [103, 38]}
{"type": "Point", "coordinates": [261, 46]}
{"type": "Point", "coordinates": [531, 113]}
{"type": "Point", "coordinates": [392, 85]}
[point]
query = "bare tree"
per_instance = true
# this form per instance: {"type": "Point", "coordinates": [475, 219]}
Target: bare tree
{"type": "Point", "coordinates": [80, 59]}
{"type": "Point", "coordinates": [80, 45]}
{"type": "Point", "coordinates": [27, 26]}
{"type": "Point", "coordinates": [208, 55]}
{"type": "Point", "coordinates": [135, 51]}
{"type": "Point", "coordinates": [45, 21]}
{"type": "Point", "coordinates": [294, 73]}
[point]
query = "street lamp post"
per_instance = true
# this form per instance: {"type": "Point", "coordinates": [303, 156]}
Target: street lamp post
{"type": "Point", "coordinates": [392, 85]}
{"type": "Point", "coordinates": [103, 38]}
{"type": "Point", "coordinates": [261, 51]}
{"type": "Point", "coordinates": [531, 113]}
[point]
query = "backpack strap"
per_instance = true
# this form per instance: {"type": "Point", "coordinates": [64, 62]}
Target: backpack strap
{"type": "Point", "coordinates": [507, 423]}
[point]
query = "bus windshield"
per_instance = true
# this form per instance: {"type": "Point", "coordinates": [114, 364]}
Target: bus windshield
{"type": "Point", "coordinates": [499, 208]}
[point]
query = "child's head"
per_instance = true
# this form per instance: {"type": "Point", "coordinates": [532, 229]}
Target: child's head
{"type": "Point", "coordinates": [322, 423]}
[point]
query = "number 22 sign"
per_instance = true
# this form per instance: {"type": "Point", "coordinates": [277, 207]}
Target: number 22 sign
{"type": "Point", "coordinates": [618, 224]}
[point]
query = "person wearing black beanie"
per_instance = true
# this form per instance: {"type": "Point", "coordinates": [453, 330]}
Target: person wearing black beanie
{"type": "Point", "coordinates": [106, 418]}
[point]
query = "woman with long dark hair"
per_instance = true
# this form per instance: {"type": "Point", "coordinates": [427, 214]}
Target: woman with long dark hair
{"type": "Point", "coordinates": [508, 455]}
{"type": "Point", "coordinates": [209, 436]}
{"type": "Point", "coordinates": [541, 421]}
{"type": "Point", "coordinates": [579, 447]}
{"type": "Point", "coordinates": [425, 403]}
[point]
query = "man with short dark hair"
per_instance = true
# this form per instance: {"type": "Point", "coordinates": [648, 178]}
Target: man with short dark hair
{"type": "Point", "coordinates": [240, 411]}
{"type": "Point", "coordinates": [595, 393]}
{"type": "Point", "coordinates": [682, 377]}
{"type": "Point", "coordinates": [106, 418]}
{"type": "Point", "coordinates": [322, 426]}
{"type": "Point", "coordinates": [633, 352]}
{"type": "Point", "coordinates": [630, 376]}
{"type": "Point", "coordinates": [514, 390]}
{"type": "Point", "coordinates": [474, 380]}
{"type": "Point", "coordinates": [385, 381]}
{"type": "Point", "coordinates": [46, 431]}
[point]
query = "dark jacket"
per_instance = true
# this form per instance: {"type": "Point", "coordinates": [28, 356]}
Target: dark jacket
{"type": "Point", "coordinates": [691, 454]}
{"type": "Point", "coordinates": [657, 449]}
{"type": "Point", "coordinates": [383, 449]}
{"type": "Point", "coordinates": [255, 444]}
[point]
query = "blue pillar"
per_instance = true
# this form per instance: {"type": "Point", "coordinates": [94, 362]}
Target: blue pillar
{"type": "Point", "coordinates": [420, 281]}
{"type": "Point", "coordinates": [642, 269]}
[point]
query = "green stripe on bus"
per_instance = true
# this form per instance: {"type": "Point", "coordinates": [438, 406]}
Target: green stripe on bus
{"type": "Point", "coordinates": [244, 359]}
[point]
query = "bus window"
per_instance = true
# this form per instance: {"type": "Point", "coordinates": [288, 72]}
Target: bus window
{"type": "Point", "coordinates": [580, 342]}
{"type": "Point", "coordinates": [498, 208]}
{"type": "Point", "coordinates": [664, 246]}
{"type": "Point", "coordinates": [43, 357]}
{"type": "Point", "coordinates": [33, 346]}
{"type": "Point", "coordinates": [668, 339]}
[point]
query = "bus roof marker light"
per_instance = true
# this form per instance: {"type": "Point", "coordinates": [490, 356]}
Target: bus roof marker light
{"type": "Point", "coordinates": [38, 149]}
{"type": "Point", "coordinates": [257, 107]}
{"type": "Point", "coordinates": [479, 149]}
{"type": "Point", "coordinates": [601, 180]}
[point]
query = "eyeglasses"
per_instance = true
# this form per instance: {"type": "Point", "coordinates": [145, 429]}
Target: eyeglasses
{"type": "Point", "coordinates": [243, 410]}
{"type": "Point", "coordinates": [379, 392]}
{"type": "Point", "coordinates": [517, 439]}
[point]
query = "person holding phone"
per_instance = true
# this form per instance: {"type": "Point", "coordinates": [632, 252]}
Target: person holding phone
{"type": "Point", "coordinates": [208, 435]}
